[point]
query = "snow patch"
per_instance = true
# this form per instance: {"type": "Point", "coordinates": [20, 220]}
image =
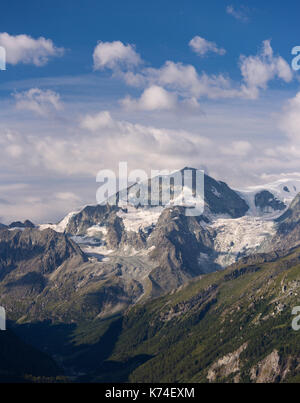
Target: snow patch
{"type": "Point", "coordinates": [285, 190]}
{"type": "Point", "coordinates": [239, 237]}
{"type": "Point", "coordinates": [140, 219]}
{"type": "Point", "coordinates": [61, 226]}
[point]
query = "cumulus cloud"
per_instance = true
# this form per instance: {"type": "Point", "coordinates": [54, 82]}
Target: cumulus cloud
{"type": "Point", "coordinates": [258, 70]}
{"type": "Point", "coordinates": [156, 98]}
{"type": "Point", "coordinates": [27, 50]}
{"type": "Point", "coordinates": [202, 46]}
{"type": "Point", "coordinates": [186, 82]}
{"type": "Point", "coordinates": [41, 102]}
{"type": "Point", "coordinates": [153, 98]}
{"type": "Point", "coordinates": [98, 121]}
{"type": "Point", "coordinates": [115, 55]}
{"type": "Point", "coordinates": [240, 14]}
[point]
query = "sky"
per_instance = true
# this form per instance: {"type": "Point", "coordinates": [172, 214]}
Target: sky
{"type": "Point", "coordinates": [161, 85]}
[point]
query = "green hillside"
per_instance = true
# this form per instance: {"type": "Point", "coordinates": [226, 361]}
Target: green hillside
{"type": "Point", "coordinates": [229, 326]}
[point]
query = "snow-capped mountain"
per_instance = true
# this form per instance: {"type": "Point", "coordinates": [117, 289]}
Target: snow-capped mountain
{"type": "Point", "coordinates": [162, 247]}
{"type": "Point", "coordinates": [271, 198]}
{"type": "Point", "coordinates": [127, 253]}
{"type": "Point", "coordinates": [236, 223]}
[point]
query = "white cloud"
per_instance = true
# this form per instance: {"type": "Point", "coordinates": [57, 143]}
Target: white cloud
{"type": "Point", "coordinates": [69, 149]}
{"type": "Point", "coordinates": [153, 98]}
{"type": "Point", "coordinates": [27, 50]}
{"type": "Point", "coordinates": [114, 55]}
{"type": "Point", "coordinates": [67, 196]}
{"type": "Point", "coordinates": [238, 148]}
{"type": "Point", "coordinates": [37, 204]}
{"type": "Point", "coordinates": [184, 80]}
{"type": "Point", "coordinates": [290, 120]}
{"type": "Point", "coordinates": [41, 102]}
{"type": "Point", "coordinates": [104, 142]}
{"type": "Point", "coordinates": [239, 14]}
{"type": "Point", "coordinates": [287, 152]}
{"type": "Point", "coordinates": [98, 121]}
{"type": "Point", "coordinates": [202, 46]}
{"type": "Point", "coordinates": [71, 155]}
{"type": "Point", "coordinates": [156, 98]}
{"type": "Point", "coordinates": [258, 70]}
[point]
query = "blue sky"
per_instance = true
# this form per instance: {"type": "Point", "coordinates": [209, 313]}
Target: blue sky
{"type": "Point", "coordinates": [160, 29]}
{"type": "Point", "coordinates": [160, 84]}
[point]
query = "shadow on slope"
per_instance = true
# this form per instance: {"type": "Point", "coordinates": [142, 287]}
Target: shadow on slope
{"type": "Point", "coordinates": [82, 350]}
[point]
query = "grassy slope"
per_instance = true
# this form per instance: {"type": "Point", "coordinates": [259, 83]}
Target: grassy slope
{"type": "Point", "coordinates": [183, 334]}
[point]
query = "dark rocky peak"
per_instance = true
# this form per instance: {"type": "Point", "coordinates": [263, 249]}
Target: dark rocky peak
{"type": "Point", "coordinates": [291, 217]}
{"type": "Point", "coordinates": [266, 202]}
{"type": "Point", "coordinates": [221, 199]}
{"type": "Point", "coordinates": [19, 224]}
{"type": "Point", "coordinates": [43, 251]}
{"type": "Point", "coordinates": [89, 216]}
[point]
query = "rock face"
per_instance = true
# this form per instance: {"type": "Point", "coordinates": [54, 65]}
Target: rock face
{"type": "Point", "coordinates": [89, 216]}
{"type": "Point", "coordinates": [273, 369]}
{"type": "Point", "coordinates": [291, 218]}
{"type": "Point", "coordinates": [35, 251]}
{"type": "Point", "coordinates": [181, 249]}
{"type": "Point", "coordinates": [28, 259]}
{"type": "Point", "coordinates": [288, 227]}
{"type": "Point", "coordinates": [221, 199]}
{"type": "Point", "coordinates": [19, 224]}
{"type": "Point", "coordinates": [268, 370]}
{"type": "Point", "coordinates": [226, 366]}
{"type": "Point", "coordinates": [52, 279]}
{"type": "Point", "coordinates": [267, 202]}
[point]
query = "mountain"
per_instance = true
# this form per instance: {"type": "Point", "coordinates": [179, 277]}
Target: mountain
{"type": "Point", "coordinates": [18, 224]}
{"type": "Point", "coordinates": [106, 258]}
{"type": "Point", "coordinates": [81, 290]}
{"type": "Point", "coordinates": [288, 227]}
{"type": "Point", "coordinates": [233, 325]}
{"type": "Point", "coordinates": [152, 245]}
{"type": "Point", "coordinates": [229, 326]}
{"type": "Point", "coordinates": [52, 279]}
{"type": "Point", "coordinates": [28, 260]}
{"type": "Point", "coordinates": [272, 197]}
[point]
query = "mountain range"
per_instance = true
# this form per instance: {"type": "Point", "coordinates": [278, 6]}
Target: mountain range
{"type": "Point", "coordinates": [114, 293]}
